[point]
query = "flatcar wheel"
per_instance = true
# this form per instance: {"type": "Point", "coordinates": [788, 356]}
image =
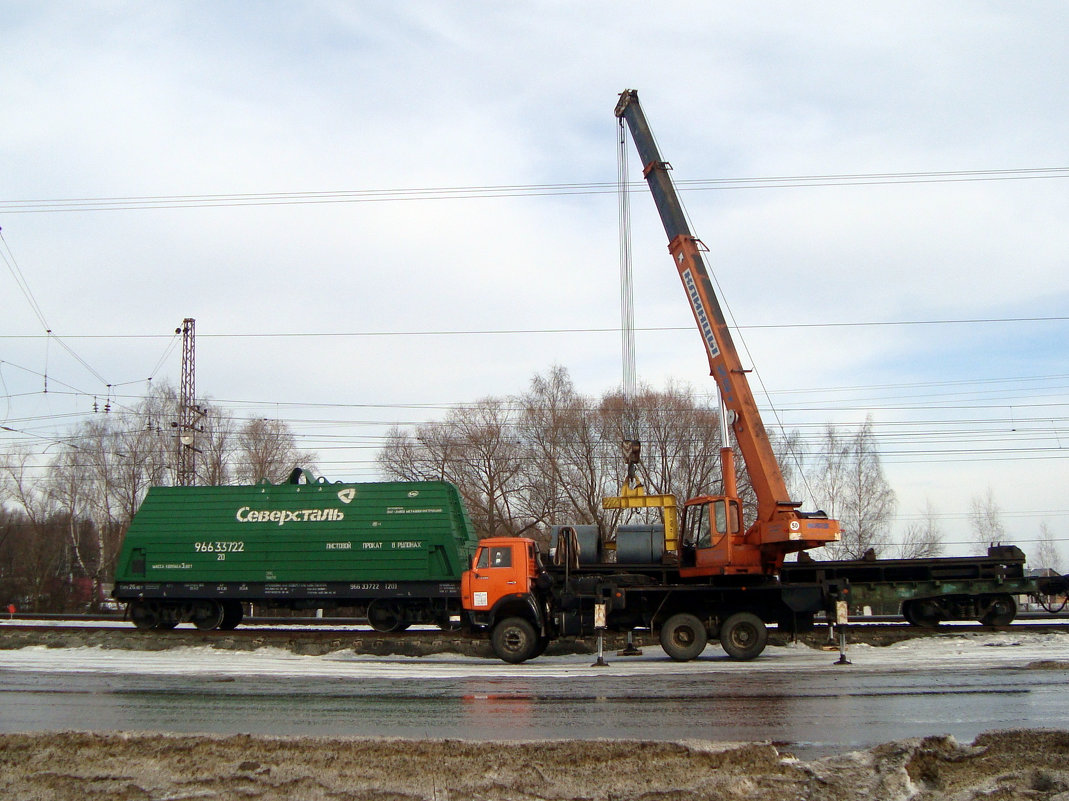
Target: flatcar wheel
{"type": "Point", "coordinates": [922, 613]}
{"type": "Point", "coordinates": [1001, 611]}
{"type": "Point", "coordinates": [208, 615]}
{"type": "Point", "coordinates": [143, 615]}
{"type": "Point", "coordinates": [386, 616]}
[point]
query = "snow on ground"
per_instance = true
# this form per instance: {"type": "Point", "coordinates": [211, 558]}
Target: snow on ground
{"type": "Point", "coordinates": [958, 651]}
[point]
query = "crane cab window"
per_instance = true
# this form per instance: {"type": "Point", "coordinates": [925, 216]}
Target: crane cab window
{"type": "Point", "coordinates": [721, 514]}
{"type": "Point", "coordinates": [495, 557]}
{"type": "Point", "coordinates": [699, 533]}
{"type": "Point", "coordinates": [728, 515]}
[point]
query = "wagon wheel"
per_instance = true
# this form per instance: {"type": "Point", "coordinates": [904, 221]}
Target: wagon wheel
{"type": "Point", "coordinates": [233, 612]}
{"type": "Point", "coordinates": [208, 615]}
{"type": "Point", "coordinates": [1000, 612]}
{"type": "Point", "coordinates": [743, 636]}
{"type": "Point", "coordinates": [515, 640]}
{"type": "Point", "coordinates": [922, 613]}
{"type": "Point", "coordinates": [143, 615]}
{"type": "Point", "coordinates": [386, 616]}
{"type": "Point", "coordinates": [1051, 604]}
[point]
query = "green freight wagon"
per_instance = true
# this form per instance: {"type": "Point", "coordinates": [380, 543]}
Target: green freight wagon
{"type": "Point", "coordinates": [393, 551]}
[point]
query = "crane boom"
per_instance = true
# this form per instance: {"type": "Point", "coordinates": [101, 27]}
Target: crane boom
{"type": "Point", "coordinates": [780, 528]}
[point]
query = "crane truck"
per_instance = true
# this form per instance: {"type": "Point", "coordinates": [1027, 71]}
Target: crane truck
{"type": "Point", "coordinates": [703, 573]}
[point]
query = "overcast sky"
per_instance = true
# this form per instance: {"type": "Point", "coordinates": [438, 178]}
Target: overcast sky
{"type": "Point", "coordinates": [340, 312]}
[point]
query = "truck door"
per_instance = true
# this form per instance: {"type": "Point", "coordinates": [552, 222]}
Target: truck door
{"type": "Point", "coordinates": [497, 571]}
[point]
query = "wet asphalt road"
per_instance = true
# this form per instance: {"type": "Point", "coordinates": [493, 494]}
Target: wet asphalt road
{"type": "Point", "coordinates": [813, 711]}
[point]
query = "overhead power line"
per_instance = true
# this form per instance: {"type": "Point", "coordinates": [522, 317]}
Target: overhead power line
{"type": "Point", "coordinates": [49, 205]}
{"type": "Point", "coordinates": [527, 331]}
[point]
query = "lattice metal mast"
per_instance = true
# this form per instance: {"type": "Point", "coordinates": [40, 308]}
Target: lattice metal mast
{"type": "Point", "coordinates": [187, 410]}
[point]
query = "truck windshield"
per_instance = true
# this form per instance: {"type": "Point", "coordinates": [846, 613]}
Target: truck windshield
{"type": "Point", "coordinates": [495, 557]}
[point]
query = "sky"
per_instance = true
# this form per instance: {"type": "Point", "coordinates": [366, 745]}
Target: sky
{"type": "Point", "coordinates": [375, 210]}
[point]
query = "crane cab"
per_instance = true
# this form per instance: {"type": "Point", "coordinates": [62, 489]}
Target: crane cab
{"type": "Point", "coordinates": [714, 539]}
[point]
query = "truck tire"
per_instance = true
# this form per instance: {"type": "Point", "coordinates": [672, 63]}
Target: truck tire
{"type": "Point", "coordinates": [743, 636]}
{"type": "Point", "coordinates": [683, 637]}
{"type": "Point", "coordinates": [514, 640]}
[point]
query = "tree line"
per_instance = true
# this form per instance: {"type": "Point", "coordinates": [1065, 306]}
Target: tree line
{"type": "Point", "coordinates": [551, 454]}
{"type": "Point", "coordinates": [62, 522]}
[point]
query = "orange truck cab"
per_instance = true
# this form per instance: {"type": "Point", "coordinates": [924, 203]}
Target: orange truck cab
{"type": "Point", "coordinates": [498, 592]}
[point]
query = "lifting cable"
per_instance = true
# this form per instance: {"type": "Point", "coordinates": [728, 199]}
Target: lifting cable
{"type": "Point", "coordinates": [627, 300]}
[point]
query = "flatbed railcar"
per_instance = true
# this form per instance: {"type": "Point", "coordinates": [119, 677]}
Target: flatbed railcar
{"type": "Point", "coordinates": [930, 591]}
{"type": "Point", "coordinates": [392, 551]}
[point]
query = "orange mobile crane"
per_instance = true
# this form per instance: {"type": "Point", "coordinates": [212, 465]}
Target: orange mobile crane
{"type": "Point", "coordinates": [780, 528]}
{"type": "Point", "coordinates": [717, 578]}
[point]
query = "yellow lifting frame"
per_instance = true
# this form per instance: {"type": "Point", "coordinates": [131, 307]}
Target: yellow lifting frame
{"type": "Point", "coordinates": [636, 498]}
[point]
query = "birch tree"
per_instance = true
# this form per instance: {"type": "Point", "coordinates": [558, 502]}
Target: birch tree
{"type": "Point", "coordinates": [923, 539]}
{"type": "Point", "coordinates": [1047, 555]}
{"type": "Point", "coordinates": [985, 520]}
{"type": "Point", "coordinates": [851, 486]}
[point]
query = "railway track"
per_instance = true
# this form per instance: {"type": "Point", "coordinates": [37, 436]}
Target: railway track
{"type": "Point", "coordinates": [317, 636]}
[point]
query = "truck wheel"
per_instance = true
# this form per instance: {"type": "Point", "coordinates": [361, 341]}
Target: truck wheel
{"type": "Point", "coordinates": [743, 636]}
{"type": "Point", "coordinates": [1001, 611]}
{"type": "Point", "coordinates": [514, 640]}
{"type": "Point", "coordinates": [683, 637]}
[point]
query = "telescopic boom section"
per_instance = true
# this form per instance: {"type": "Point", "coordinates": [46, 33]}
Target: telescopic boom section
{"type": "Point", "coordinates": [780, 528]}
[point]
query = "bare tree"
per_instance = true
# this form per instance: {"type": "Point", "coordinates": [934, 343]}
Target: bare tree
{"type": "Point", "coordinates": [267, 449]}
{"type": "Point", "coordinates": [408, 457]}
{"type": "Point", "coordinates": [69, 496]}
{"type": "Point", "coordinates": [829, 477]}
{"type": "Point", "coordinates": [492, 465]}
{"type": "Point", "coordinates": [923, 539]}
{"type": "Point", "coordinates": [568, 448]}
{"type": "Point", "coordinates": [682, 452]}
{"type": "Point", "coordinates": [216, 445]}
{"type": "Point", "coordinates": [852, 488]}
{"type": "Point", "coordinates": [478, 449]}
{"type": "Point", "coordinates": [551, 414]}
{"type": "Point", "coordinates": [35, 545]}
{"type": "Point", "coordinates": [552, 455]}
{"type": "Point", "coordinates": [1047, 551]}
{"type": "Point", "coordinates": [985, 520]}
